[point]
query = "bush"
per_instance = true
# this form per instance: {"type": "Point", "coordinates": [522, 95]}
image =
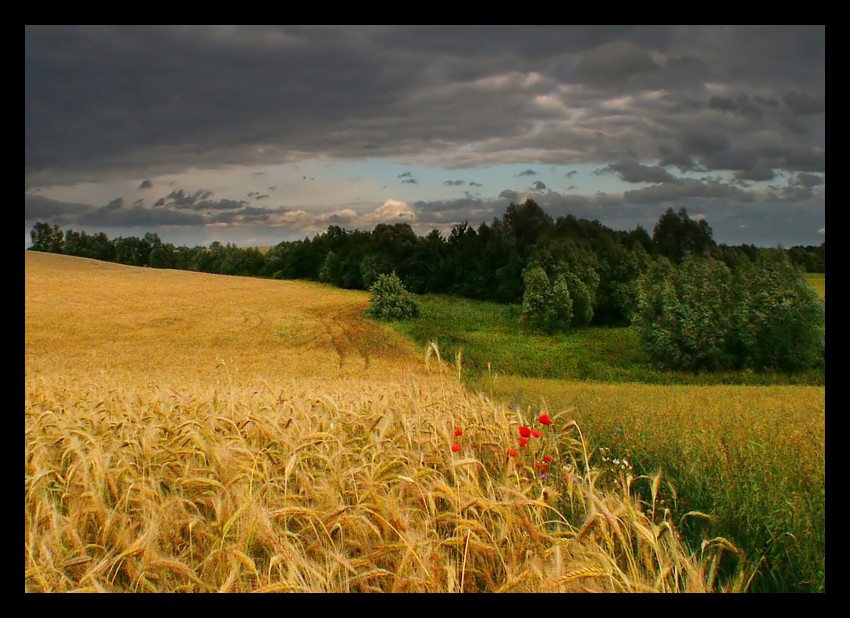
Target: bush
{"type": "Point", "coordinates": [545, 307]}
{"type": "Point", "coordinates": [700, 315]}
{"type": "Point", "coordinates": [390, 300]}
{"type": "Point", "coordinates": [781, 320]}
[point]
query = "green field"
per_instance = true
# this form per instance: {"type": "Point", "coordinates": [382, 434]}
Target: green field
{"type": "Point", "coordinates": [746, 449]}
{"type": "Point", "coordinates": [489, 340]}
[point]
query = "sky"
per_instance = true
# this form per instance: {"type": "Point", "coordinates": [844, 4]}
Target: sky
{"type": "Point", "coordinates": [254, 135]}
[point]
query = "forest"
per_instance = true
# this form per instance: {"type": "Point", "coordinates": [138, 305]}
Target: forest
{"type": "Point", "coordinates": [698, 304]}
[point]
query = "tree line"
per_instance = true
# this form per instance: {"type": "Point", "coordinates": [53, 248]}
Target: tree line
{"type": "Point", "coordinates": [566, 272]}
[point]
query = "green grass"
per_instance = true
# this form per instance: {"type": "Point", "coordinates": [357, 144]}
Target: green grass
{"type": "Point", "coordinates": [737, 455]}
{"type": "Point", "coordinates": [490, 340]}
{"type": "Point", "coordinates": [817, 281]}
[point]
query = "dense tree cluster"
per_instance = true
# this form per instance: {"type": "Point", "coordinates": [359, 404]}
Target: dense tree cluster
{"type": "Point", "coordinates": [701, 315]}
{"type": "Point", "coordinates": [566, 273]}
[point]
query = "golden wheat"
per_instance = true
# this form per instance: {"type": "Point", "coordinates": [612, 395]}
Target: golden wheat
{"type": "Point", "coordinates": [200, 433]}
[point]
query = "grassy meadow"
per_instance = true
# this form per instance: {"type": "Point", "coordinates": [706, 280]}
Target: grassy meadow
{"type": "Point", "coordinates": [744, 450]}
{"type": "Point", "coordinates": [203, 433]}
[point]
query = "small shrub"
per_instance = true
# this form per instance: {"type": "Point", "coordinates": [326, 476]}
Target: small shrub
{"type": "Point", "coordinates": [390, 300]}
{"type": "Point", "coordinates": [546, 306]}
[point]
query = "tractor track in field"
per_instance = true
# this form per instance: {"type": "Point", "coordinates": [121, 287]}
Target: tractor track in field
{"type": "Point", "coordinates": [345, 337]}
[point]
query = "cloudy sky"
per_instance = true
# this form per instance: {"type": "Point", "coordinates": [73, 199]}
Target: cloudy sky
{"type": "Point", "coordinates": [258, 134]}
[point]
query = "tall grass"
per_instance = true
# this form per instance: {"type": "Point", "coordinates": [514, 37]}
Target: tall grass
{"type": "Point", "coordinates": [197, 433]}
{"type": "Point", "coordinates": [746, 448]}
{"type": "Point", "coordinates": [752, 458]}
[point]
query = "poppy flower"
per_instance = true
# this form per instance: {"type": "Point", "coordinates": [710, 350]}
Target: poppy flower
{"type": "Point", "coordinates": [536, 433]}
{"type": "Point", "coordinates": [525, 432]}
{"type": "Point", "coordinates": [512, 452]}
{"type": "Point", "coordinates": [523, 441]}
{"type": "Point", "coordinates": [548, 458]}
{"type": "Point", "coordinates": [458, 432]}
{"type": "Point", "coordinates": [544, 418]}
{"type": "Point", "coordinates": [455, 447]}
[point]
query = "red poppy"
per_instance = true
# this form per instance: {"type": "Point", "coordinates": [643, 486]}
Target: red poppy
{"type": "Point", "coordinates": [536, 433]}
{"type": "Point", "coordinates": [455, 447]}
{"type": "Point", "coordinates": [523, 441]}
{"type": "Point", "coordinates": [544, 418]}
{"type": "Point", "coordinates": [548, 458]}
{"type": "Point", "coordinates": [566, 477]}
{"type": "Point", "coordinates": [458, 432]}
{"type": "Point", "coordinates": [525, 432]}
{"type": "Point", "coordinates": [512, 452]}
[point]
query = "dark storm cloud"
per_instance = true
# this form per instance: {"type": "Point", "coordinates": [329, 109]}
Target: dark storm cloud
{"type": "Point", "coordinates": [248, 214]}
{"type": "Point", "coordinates": [223, 204]}
{"type": "Point", "coordinates": [685, 188]}
{"type": "Point", "coordinates": [809, 180]}
{"type": "Point", "coordinates": [453, 212]}
{"type": "Point", "coordinates": [39, 208]}
{"type": "Point", "coordinates": [199, 200]}
{"type": "Point", "coordinates": [632, 171]}
{"type": "Point", "coordinates": [136, 217]}
{"type": "Point", "coordinates": [762, 174]}
{"type": "Point", "coordinates": [805, 104]}
{"type": "Point", "coordinates": [118, 202]}
{"type": "Point", "coordinates": [538, 185]}
{"type": "Point", "coordinates": [614, 61]}
{"type": "Point", "coordinates": [132, 102]}
{"type": "Point", "coordinates": [103, 99]}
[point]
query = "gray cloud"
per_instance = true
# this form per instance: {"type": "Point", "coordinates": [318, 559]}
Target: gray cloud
{"type": "Point", "coordinates": [527, 173]}
{"type": "Point", "coordinates": [808, 180]}
{"type": "Point", "coordinates": [141, 102]}
{"type": "Point", "coordinates": [685, 188]}
{"type": "Point", "coordinates": [453, 183]}
{"type": "Point", "coordinates": [762, 174]}
{"type": "Point", "coordinates": [805, 104]}
{"type": "Point", "coordinates": [40, 208]}
{"type": "Point", "coordinates": [538, 185]}
{"type": "Point", "coordinates": [630, 170]}
{"type": "Point", "coordinates": [614, 61]}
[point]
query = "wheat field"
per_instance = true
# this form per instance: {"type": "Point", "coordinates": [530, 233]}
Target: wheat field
{"type": "Point", "coordinates": [204, 433]}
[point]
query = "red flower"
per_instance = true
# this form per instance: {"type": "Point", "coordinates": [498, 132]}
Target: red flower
{"type": "Point", "coordinates": [548, 458]}
{"type": "Point", "coordinates": [455, 447]}
{"type": "Point", "coordinates": [458, 432]}
{"type": "Point", "coordinates": [525, 432]}
{"type": "Point", "coordinates": [544, 418]}
{"type": "Point", "coordinates": [536, 433]}
{"type": "Point", "coordinates": [512, 452]}
{"type": "Point", "coordinates": [523, 441]}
